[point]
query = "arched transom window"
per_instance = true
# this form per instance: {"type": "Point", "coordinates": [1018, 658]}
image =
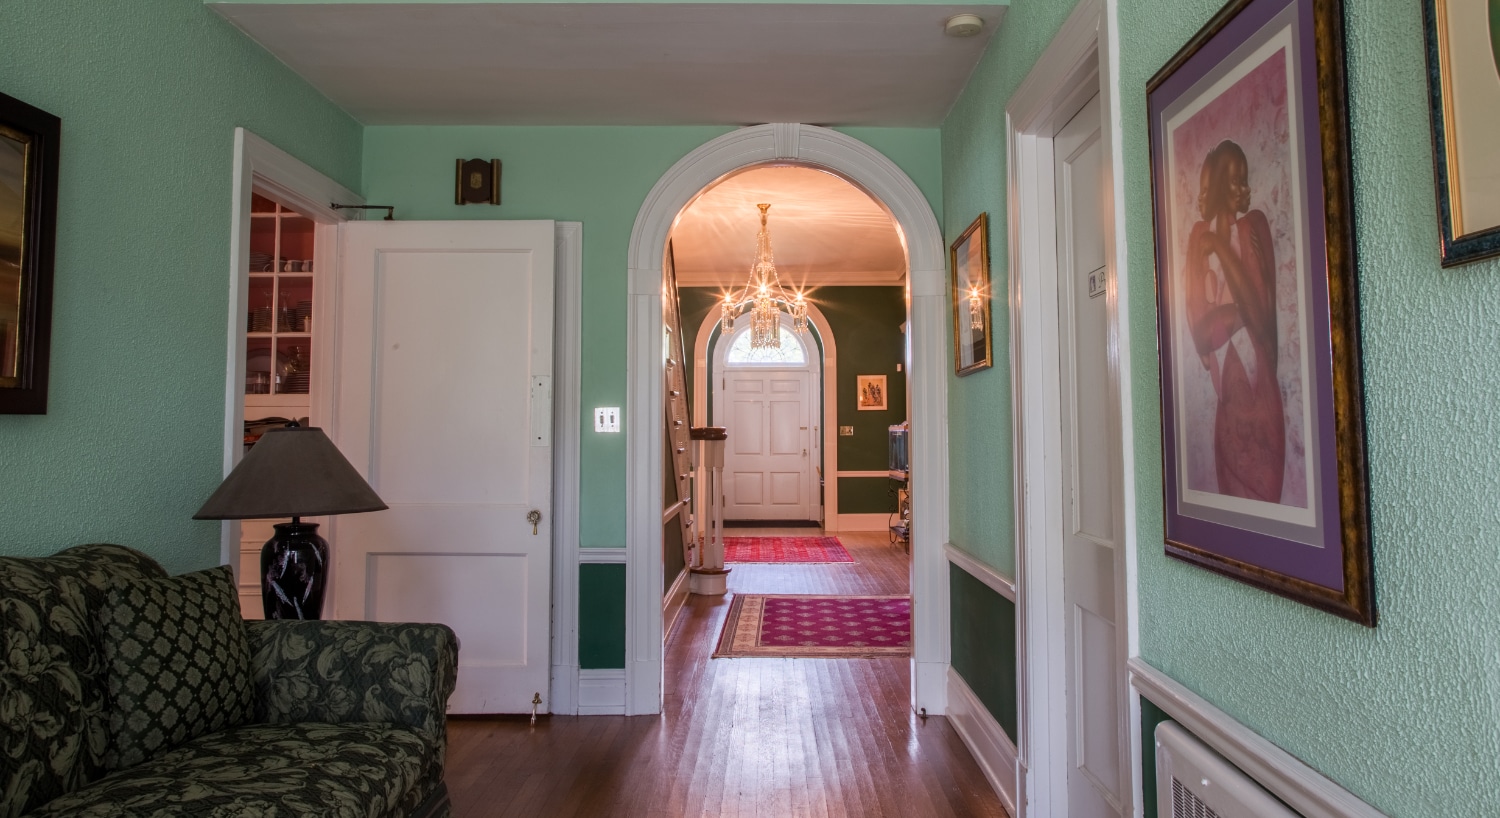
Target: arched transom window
{"type": "Point", "coordinates": [790, 353]}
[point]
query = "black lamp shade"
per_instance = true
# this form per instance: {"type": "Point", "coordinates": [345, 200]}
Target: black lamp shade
{"type": "Point", "coordinates": [292, 472]}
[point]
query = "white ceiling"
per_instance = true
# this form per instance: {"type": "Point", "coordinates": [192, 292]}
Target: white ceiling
{"type": "Point", "coordinates": [624, 63]}
{"type": "Point", "coordinates": [824, 231]}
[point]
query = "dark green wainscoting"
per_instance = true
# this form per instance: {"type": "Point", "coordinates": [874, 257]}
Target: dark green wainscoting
{"type": "Point", "coordinates": [984, 645]}
{"type": "Point", "coordinates": [1151, 715]}
{"type": "Point", "coordinates": [601, 615]}
{"type": "Point", "coordinates": [673, 561]}
{"type": "Point", "coordinates": [866, 495]}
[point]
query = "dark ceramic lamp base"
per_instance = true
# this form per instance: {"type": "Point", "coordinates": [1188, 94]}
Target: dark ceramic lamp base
{"type": "Point", "coordinates": [294, 571]}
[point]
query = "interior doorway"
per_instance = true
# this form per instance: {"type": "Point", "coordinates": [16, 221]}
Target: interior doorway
{"type": "Point", "coordinates": [923, 359]}
{"type": "Point", "coordinates": [1075, 547]}
{"type": "Point", "coordinates": [769, 403]}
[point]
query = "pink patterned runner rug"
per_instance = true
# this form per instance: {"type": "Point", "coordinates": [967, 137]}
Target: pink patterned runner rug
{"type": "Point", "coordinates": [831, 627]}
{"type": "Point", "coordinates": [785, 549]}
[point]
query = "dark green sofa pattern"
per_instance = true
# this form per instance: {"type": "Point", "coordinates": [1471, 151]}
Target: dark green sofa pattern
{"type": "Point", "coordinates": [349, 717]}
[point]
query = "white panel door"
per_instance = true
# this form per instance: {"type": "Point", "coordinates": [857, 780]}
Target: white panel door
{"type": "Point", "coordinates": [1091, 498]}
{"type": "Point", "coordinates": [443, 401]}
{"type": "Point", "coordinates": [768, 467]}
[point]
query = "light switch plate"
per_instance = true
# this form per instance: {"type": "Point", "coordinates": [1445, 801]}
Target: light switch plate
{"type": "Point", "coordinates": [846, 431]}
{"type": "Point", "coordinates": [607, 419]}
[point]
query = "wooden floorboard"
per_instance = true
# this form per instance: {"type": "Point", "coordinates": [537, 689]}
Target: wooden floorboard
{"type": "Point", "coordinates": [754, 738]}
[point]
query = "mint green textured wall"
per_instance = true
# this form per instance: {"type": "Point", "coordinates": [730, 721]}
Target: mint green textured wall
{"type": "Point", "coordinates": [1354, 702]}
{"type": "Point", "coordinates": [149, 93]}
{"type": "Point", "coordinates": [599, 176]}
{"type": "Point", "coordinates": [979, 405]}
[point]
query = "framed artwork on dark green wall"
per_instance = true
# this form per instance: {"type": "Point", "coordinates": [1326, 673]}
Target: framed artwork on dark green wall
{"type": "Point", "coordinates": [1463, 82]}
{"type": "Point", "coordinates": [969, 259]}
{"type": "Point", "coordinates": [28, 227]}
{"type": "Point", "coordinates": [1265, 473]}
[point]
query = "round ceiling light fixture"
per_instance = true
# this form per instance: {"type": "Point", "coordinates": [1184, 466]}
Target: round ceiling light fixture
{"type": "Point", "coordinates": [963, 25]}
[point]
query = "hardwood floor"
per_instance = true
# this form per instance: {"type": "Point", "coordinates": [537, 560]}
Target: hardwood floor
{"type": "Point", "coordinates": [738, 737]}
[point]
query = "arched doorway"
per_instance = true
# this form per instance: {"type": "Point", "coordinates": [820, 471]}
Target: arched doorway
{"type": "Point", "coordinates": [927, 361]}
{"type": "Point", "coordinates": [770, 402]}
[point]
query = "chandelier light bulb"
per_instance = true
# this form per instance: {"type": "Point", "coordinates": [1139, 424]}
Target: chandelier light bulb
{"type": "Point", "coordinates": [764, 296]}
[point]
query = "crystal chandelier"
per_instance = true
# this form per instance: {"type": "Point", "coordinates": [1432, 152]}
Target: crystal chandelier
{"type": "Point", "coordinates": [763, 297]}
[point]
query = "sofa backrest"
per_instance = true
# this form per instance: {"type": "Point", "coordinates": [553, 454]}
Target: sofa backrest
{"type": "Point", "coordinates": [53, 709]}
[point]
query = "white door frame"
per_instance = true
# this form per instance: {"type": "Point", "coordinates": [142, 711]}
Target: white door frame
{"type": "Point", "coordinates": [829, 416]}
{"type": "Point", "coordinates": [259, 164]}
{"type": "Point", "coordinates": [812, 367]}
{"type": "Point", "coordinates": [927, 398]}
{"type": "Point", "coordinates": [1080, 62]}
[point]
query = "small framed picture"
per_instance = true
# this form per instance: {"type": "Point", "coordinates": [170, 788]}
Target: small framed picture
{"type": "Point", "coordinates": [1262, 406]}
{"type": "Point", "coordinates": [1463, 80]}
{"type": "Point", "coordinates": [28, 227]}
{"type": "Point", "coordinates": [872, 393]}
{"type": "Point", "coordinates": [969, 258]}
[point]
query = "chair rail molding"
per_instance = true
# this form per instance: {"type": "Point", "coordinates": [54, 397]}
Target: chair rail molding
{"type": "Point", "coordinates": [927, 364]}
{"type": "Point", "coordinates": [1303, 788]}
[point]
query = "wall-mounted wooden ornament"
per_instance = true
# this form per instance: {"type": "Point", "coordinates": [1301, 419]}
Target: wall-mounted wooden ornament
{"type": "Point", "coordinates": [478, 182]}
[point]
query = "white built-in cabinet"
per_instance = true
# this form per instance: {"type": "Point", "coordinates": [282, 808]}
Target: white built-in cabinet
{"type": "Point", "coordinates": [278, 347]}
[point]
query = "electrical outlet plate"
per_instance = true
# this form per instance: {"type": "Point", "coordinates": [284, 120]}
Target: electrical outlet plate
{"type": "Point", "coordinates": [607, 419]}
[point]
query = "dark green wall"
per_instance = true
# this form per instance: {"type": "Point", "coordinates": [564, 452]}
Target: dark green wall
{"type": "Point", "coordinates": [866, 324]}
{"type": "Point", "coordinates": [983, 626]}
{"type": "Point", "coordinates": [1151, 715]}
{"type": "Point", "coordinates": [601, 628]}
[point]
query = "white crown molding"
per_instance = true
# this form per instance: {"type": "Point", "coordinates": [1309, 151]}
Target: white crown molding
{"type": "Point", "coordinates": [986, 740]}
{"type": "Point", "coordinates": [998, 582]}
{"type": "Point", "coordinates": [1303, 788]}
{"type": "Point", "coordinates": [873, 278]}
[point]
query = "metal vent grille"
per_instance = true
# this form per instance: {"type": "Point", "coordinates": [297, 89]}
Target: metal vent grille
{"type": "Point", "coordinates": [1187, 805]}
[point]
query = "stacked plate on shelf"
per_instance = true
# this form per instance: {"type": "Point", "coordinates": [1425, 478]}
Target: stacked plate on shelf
{"type": "Point", "coordinates": [260, 319]}
{"type": "Point", "coordinates": [295, 383]}
{"type": "Point", "coordinates": [261, 263]}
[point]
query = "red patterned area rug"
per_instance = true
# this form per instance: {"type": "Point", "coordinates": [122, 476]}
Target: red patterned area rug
{"type": "Point", "coordinates": [785, 549]}
{"type": "Point", "coordinates": [829, 627]}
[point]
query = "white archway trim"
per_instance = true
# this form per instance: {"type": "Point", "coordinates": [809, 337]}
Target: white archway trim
{"type": "Point", "coordinates": [830, 416]}
{"type": "Point", "coordinates": [927, 363]}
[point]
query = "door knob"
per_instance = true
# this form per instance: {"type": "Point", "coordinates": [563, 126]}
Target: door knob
{"type": "Point", "coordinates": [534, 517]}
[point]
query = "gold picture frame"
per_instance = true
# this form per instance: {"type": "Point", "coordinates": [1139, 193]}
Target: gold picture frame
{"type": "Point", "coordinates": [969, 265]}
{"type": "Point", "coordinates": [1463, 82]}
{"type": "Point", "coordinates": [28, 227]}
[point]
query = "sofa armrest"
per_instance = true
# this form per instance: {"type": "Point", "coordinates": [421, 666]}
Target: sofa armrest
{"type": "Point", "coordinates": [342, 672]}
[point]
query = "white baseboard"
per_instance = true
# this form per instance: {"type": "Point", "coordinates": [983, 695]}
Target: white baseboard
{"type": "Point", "coordinates": [863, 522]}
{"type": "Point", "coordinates": [986, 740]}
{"type": "Point", "coordinates": [1303, 788]}
{"type": "Point", "coordinates": [601, 692]}
{"type": "Point", "coordinates": [671, 606]}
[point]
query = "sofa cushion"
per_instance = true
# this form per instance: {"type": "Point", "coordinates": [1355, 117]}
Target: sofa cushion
{"type": "Point", "coordinates": [53, 728]}
{"type": "Point", "coordinates": [307, 770]}
{"type": "Point", "coordinates": [178, 662]}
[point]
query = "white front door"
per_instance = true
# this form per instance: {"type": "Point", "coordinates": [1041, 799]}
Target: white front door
{"type": "Point", "coordinates": [443, 401]}
{"type": "Point", "coordinates": [1090, 460]}
{"type": "Point", "coordinates": [768, 464]}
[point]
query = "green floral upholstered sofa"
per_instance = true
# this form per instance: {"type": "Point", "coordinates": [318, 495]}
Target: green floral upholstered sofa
{"type": "Point", "coordinates": [125, 693]}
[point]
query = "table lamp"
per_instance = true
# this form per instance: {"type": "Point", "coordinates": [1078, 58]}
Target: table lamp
{"type": "Point", "coordinates": [292, 472]}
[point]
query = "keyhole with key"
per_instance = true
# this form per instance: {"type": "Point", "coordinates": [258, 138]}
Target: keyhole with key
{"type": "Point", "coordinates": [534, 517]}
